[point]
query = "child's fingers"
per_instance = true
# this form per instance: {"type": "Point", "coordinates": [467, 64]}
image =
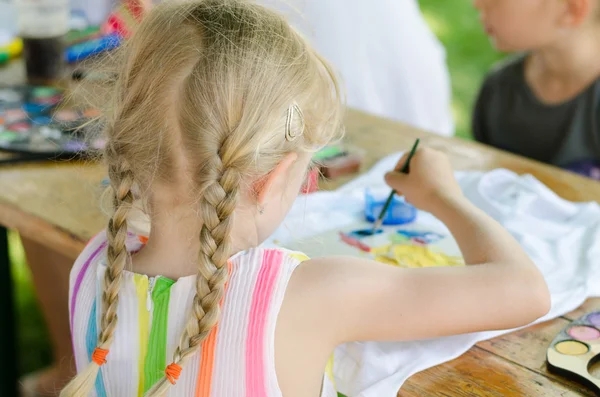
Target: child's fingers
{"type": "Point", "coordinates": [396, 180]}
{"type": "Point", "coordinates": [401, 162]}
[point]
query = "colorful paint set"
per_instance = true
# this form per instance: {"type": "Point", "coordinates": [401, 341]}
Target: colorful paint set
{"type": "Point", "coordinates": [32, 122]}
{"type": "Point", "coordinates": [573, 352]}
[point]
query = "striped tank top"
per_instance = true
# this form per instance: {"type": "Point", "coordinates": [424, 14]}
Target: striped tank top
{"type": "Point", "coordinates": [236, 360]}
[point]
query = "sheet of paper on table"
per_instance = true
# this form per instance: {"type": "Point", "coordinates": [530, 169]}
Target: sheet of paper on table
{"type": "Point", "coordinates": [411, 245]}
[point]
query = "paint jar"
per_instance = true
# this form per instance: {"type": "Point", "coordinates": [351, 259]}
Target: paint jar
{"type": "Point", "coordinates": [42, 24]}
{"type": "Point", "coordinates": [399, 212]}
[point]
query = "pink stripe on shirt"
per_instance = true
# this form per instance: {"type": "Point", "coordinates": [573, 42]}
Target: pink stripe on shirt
{"type": "Point", "coordinates": [259, 312]}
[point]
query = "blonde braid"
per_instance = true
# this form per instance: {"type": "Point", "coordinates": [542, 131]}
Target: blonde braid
{"type": "Point", "coordinates": [219, 200]}
{"type": "Point", "coordinates": [122, 182]}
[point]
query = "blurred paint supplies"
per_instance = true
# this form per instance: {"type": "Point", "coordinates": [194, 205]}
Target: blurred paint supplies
{"type": "Point", "coordinates": [42, 24]}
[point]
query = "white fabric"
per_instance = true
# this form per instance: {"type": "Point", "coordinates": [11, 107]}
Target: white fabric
{"type": "Point", "coordinates": [391, 63]}
{"type": "Point", "coordinates": [122, 348]}
{"type": "Point", "coordinates": [562, 238]}
{"type": "Point", "coordinates": [328, 389]}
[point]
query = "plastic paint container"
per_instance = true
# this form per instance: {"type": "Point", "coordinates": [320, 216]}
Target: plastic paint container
{"type": "Point", "coordinates": [399, 213]}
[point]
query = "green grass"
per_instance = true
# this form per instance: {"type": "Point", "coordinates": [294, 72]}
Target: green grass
{"type": "Point", "coordinates": [470, 55]}
{"type": "Point", "coordinates": [33, 342]}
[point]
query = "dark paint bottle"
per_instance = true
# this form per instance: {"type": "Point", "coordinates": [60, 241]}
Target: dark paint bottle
{"type": "Point", "coordinates": [42, 25]}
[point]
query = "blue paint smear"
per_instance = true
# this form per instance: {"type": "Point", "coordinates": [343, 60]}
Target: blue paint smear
{"type": "Point", "coordinates": [427, 237]}
{"type": "Point", "coordinates": [362, 233]}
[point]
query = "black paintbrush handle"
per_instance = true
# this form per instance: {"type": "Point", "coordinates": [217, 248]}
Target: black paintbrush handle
{"type": "Point", "coordinates": [405, 169]}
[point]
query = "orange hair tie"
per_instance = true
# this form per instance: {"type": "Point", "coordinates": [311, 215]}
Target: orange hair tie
{"type": "Point", "coordinates": [173, 371]}
{"type": "Point", "coordinates": [99, 356]}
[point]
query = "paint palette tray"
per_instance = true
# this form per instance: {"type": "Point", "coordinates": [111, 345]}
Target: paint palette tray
{"type": "Point", "coordinates": [573, 352]}
{"type": "Point", "coordinates": [33, 122]}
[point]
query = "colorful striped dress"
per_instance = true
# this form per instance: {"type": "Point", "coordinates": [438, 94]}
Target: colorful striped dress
{"type": "Point", "coordinates": [236, 360]}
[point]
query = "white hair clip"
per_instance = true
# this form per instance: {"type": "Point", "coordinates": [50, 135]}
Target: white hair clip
{"type": "Point", "coordinates": [290, 134]}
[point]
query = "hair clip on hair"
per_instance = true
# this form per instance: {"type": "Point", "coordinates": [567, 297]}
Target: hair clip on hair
{"type": "Point", "coordinates": [290, 134]}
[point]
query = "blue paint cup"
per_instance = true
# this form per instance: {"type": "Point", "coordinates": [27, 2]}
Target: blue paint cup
{"type": "Point", "coordinates": [399, 213]}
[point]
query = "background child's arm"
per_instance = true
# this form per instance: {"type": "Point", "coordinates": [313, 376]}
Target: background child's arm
{"type": "Point", "coordinates": [359, 299]}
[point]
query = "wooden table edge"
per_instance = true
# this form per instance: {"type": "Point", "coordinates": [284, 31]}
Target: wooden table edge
{"type": "Point", "coordinates": [40, 231]}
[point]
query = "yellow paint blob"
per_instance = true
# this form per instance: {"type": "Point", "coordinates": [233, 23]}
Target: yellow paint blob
{"type": "Point", "coordinates": [383, 250]}
{"type": "Point", "coordinates": [299, 256]}
{"type": "Point", "coordinates": [386, 260]}
{"type": "Point", "coordinates": [571, 348]}
{"type": "Point", "coordinates": [413, 256]}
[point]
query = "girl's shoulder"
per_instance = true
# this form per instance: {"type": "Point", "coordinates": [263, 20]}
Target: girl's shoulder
{"type": "Point", "coordinates": [96, 248]}
{"type": "Point", "coordinates": [86, 262]}
{"type": "Point", "coordinates": [86, 265]}
{"type": "Point", "coordinates": [265, 253]}
{"type": "Point", "coordinates": [261, 259]}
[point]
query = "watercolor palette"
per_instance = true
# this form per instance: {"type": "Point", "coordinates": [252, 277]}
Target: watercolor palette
{"type": "Point", "coordinates": [403, 246]}
{"type": "Point", "coordinates": [32, 121]}
{"type": "Point", "coordinates": [576, 349]}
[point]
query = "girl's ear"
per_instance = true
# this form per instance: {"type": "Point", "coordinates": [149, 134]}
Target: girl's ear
{"type": "Point", "coordinates": [265, 184]}
{"type": "Point", "coordinates": [577, 11]}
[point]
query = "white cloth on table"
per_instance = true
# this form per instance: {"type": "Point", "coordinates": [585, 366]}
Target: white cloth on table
{"type": "Point", "coordinates": [562, 238]}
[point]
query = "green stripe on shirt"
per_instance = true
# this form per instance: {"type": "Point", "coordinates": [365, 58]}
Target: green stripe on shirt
{"type": "Point", "coordinates": [156, 361]}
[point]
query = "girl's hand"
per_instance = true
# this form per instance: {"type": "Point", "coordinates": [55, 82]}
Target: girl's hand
{"type": "Point", "coordinates": [351, 294]}
{"type": "Point", "coordinates": [430, 181]}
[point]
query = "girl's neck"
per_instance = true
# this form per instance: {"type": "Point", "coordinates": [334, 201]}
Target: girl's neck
{"type": "Point", "coordinates": [564, 69]}
{"type": "Point", "coordinates": [174, 243]}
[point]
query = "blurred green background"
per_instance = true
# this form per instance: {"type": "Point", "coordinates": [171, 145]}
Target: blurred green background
{"type": "Point", "coordinates": [469, 57]}
{"type": "Point", "coordinates": [469, 53]}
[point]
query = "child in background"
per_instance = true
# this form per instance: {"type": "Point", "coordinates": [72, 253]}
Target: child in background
{"type": "Point", "coordinates": [545, 103]}
{"type": "Point", "coordinates": [218, 108]}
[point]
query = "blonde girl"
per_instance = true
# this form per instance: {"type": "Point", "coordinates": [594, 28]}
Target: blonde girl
{"type": "Point", "coordinates": [217, 109]}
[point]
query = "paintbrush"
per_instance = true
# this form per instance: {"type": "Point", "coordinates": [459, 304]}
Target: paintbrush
{"type": "Point", "coordinates": [405, 168]}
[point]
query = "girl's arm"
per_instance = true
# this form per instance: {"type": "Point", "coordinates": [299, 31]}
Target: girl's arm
{"type": "Point", "coordinates": [359, 299]}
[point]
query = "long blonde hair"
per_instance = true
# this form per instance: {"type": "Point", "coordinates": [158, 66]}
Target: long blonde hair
{"type": "Point", "coordinates": [200, 101]}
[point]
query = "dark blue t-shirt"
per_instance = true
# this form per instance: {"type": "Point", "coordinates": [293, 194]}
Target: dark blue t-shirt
{"type": "Point", "coordinates": [509, 116]}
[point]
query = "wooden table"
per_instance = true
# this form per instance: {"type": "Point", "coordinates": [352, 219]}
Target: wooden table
{"type": "Point", "coordinates": [57, 205]}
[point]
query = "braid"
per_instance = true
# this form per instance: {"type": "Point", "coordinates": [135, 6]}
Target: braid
{"type": "Point", "coordinates": [122, 180]}
{"type": "Point", "coordinates": [117, 256]}
{"type": "Point", "coordinates": [219, 200]}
